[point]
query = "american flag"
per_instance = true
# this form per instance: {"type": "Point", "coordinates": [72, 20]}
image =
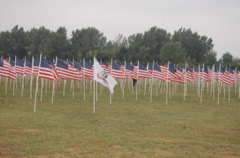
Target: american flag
{"type": "Point", "coordinates": [75, 65]}
{"type": "Point", "coordinates": [62, 69]}
{"type": "Point", "coordinates": [7, 70]}
{"type": "Point", "coordinates": [215, 73]}
{"type": "Point", "coordinates": [203, 74]}
{"type": "Point", "coordinates": [74, 69]}
{"type": "Point", "coordinates": [228, 76]}
{"type": "Point", "coordinates": [35, 67]}
{"type": "Point", "coordinates": [155, 71]}
{"type": "Point", "coordinates": [87, 68]}
{"type": "Point", "coordinates": [116, 71]}
{"type": "Point", "coordinates": [195, 74]}
{"type": "Point", "coordinates": [140, 72]}
{"type": "Point", "coordinates": [28, 67]}
{"type": "Point", "coordinates": [104, 65]}
{"type": "Point", "coordinates": [189, 74]}
{"type": "Point", "coordinates": [164, 73]}
{"type": "Point", "coordinates": [19, 66]}
{"type": "Point", "coordinates": [1, 62]}
{"type": "Point", "coordinates": [178, 75]}
{"type": "Point", "coordinates": [46, 70]}
{"type": "Point", "coordinates": [128, 70]}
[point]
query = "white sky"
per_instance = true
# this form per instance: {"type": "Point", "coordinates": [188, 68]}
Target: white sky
{"type": "Point", "coordinates": [217, 19]}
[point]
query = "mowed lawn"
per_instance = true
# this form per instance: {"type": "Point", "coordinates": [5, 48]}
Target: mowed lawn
{"type": "Point", "coordinates": [125, 128]}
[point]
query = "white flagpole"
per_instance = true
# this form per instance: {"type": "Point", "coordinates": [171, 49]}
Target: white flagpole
{"type": "Point", "coordinates": [202, 85]}
{"type": "Point", "coordinates": [167, 84]}
{"type": "Point", "coordinates": [145, 84]}
{"type": "Point", "coordinates": [229, 88]}
{"type": "Point", "coordinates": [73, 80]}
{"type": "Point", "coordinates": [35, 101]}
{"type": "Point", "coordinates": [96, 91]}
{"type": "Point", "coordinates": [6, 85]}
{"type": "Point", "coordinates": [110, 98]}
{"type": "Point", "coordinates": [84, 80]}
{"type": "Point", "coordinates": [31, 78]}
{"type": "Point", "coordinates": [136, 85]}
{"type": "Point", "coordinates": [64, 87]}
{"type": "Point", "coordinates": [53, 91]}
{"type": "Point", "coordinates": [14, 82]}
{"type": "Point", "coordinates": [213, 82]}
{"type": "Point", "coordinates": [238, 89]}
{"type": "Point", "coordinates": [151, 83]}
{"type": "Point", "coordinates": [42, 83]}
{"type": "Point", "coordinates": [125, 78]}
{"type": "Point", "coordinates": [235, 80]}
{"type": "Point", "coordinates": [185, 85]}
{"type": "Point", "coordinates": [199, 81]}
{"type": "Point", "coordinates": [219, 81]}
{"type": "Point", "coordinates": [94, 99]}
{"type": "Point", "coordinates": [23, 77]}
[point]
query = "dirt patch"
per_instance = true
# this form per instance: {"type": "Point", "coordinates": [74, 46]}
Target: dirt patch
{"type": "Point", "coordinates": [6, 148]}
{"type": "Point", "coordinates": [23, 131]}
{"type": "Point", "coordinates": [161, 139]}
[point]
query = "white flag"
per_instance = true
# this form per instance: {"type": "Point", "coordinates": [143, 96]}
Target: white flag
{"type": "Point", "coordinates": [102, 77]}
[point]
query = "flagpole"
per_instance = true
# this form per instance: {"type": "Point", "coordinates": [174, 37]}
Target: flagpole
{"type": "Point", "coordinates": [94, 100]}
{"type": "Point", "coordinates": [110, 98]}
{"type": "Point", "coordinates": [124, 77]}
{"type": "Point", "coordinates": [84, 80]}
{"type": "Point", "coordinates": [201, 84]}
{"type": "Point", "coordinates": [73, 80]}
{"type": "Point", "coordinates": [185, 85]}
{"type": "Point", "coordinates": [53, 91]}
{"type": "Point", "coordinates": [6, 85]}
{"type": "Point", "coordinates": [167, 84]}
{"type": "Point", "coordinates": [31, 78]}
{"type": "Point", "coordinates": [213, 82]}
{"type": "Point", "coordinates": [14, 82]}
{"type": "Point", "coordinates": [35, 101]}
{"type": "Point", "coordinates": [145, 84]}
{"type": "Point", "coordinates": [229, 88]}
{"type": "Point", "coordinates": [235, 80]}
{"type": "Point", "coordinates": [219, 81]}
{"type": "Point", "coordinates": [137, 80]}
{"type": "Point", "coordinates": [23, 77]}
{"type": "Point", "coordinates": [151, 83]}
{"type": "Point", "coordinates": [238, 89]}
{"type": "Point", "coordinates": [42, 83]}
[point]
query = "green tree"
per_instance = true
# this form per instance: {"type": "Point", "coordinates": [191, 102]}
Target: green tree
{"type": "Point", "coordinates": [227, 59]}
{"type": "Point", "coordinates": [173, 52]}
{"type": "Point", "coordinates": [6, 44]}
{"type": "Point", "coordinates": [135, 42]}
{"type": "Point", "coordinates": [197, 47]}
{"type": "Point", "coordinates": [211, 58]}
{"type": "Point", "coordinates": [14, 43]}
{"type": "Point", "coordinates": [153, 40]}
{"type": "Point", "coordinates": [59, 44]}
{"type": "Point", "coordinates": [236, 62]}
{"type": "Point", "coordinates": [39, 41]}
{"type": "Point", "coordinates": [120, 48]}
{"type": "Point", "coordinates": [107, 53]}
{"type": "Point", "coordinates": [85, 40]}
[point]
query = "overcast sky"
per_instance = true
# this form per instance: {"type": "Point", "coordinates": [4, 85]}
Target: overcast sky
{"type": "Point", "coordinates": [216, 19]}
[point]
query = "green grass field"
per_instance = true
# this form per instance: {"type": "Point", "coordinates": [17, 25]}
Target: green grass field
{"type": "Point", "coordinates": [125, 128]}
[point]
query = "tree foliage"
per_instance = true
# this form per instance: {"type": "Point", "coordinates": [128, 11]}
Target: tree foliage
{"type": "Point", "coordinates": [196, 46]}
{"type": "Point", "coordinates": [174, 52]}
{"type": "Point", "coordinates": [85, 40]}
{"type": "Point", "coordinates": [154, 44]}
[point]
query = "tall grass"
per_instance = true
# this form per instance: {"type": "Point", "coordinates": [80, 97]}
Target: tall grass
{"type": "Point", "coordinates": [125, 128]}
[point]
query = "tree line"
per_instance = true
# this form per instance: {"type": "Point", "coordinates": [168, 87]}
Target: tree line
{"type": "Point", "coordinates": [155, 44]}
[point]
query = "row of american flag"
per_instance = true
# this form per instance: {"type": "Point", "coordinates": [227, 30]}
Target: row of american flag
{"type": "Point", "coordinates": [72, 70]}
